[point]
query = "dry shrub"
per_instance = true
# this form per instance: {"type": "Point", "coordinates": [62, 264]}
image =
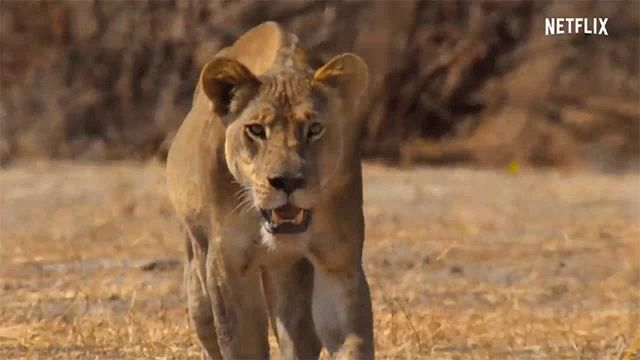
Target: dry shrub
{"type": "Point", "coordinates": [451, 81]}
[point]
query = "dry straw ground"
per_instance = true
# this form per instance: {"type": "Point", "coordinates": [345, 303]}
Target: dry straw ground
{"type": "Point", "coordinates": [462, 263]}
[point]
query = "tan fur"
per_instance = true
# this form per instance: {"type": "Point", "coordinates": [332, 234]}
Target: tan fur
{"type": "Point", "coordinates": [315, 291]}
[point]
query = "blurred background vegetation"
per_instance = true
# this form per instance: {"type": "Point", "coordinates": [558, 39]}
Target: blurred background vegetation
{"type": "Point", "coordinates": [453, 81]}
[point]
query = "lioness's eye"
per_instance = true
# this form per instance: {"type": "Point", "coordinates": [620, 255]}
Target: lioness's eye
{"type": "Point", "coordinates": [256, 130]}
{"type": "Point", "coordinates": [315, 131]}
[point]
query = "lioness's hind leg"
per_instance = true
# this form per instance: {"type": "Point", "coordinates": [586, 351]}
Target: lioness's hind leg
{"type": "Point", "coordinates": [199, 303]}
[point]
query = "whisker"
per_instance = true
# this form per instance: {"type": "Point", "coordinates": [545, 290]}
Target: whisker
{"type": "Point", "coordinates": [243, 196]}
{"type": "Point", "coordinates": [245, 203]}
{"type": "Point", "coordinates": [248, 206]}
{"type": "Point", "coordinates": [238, 206]}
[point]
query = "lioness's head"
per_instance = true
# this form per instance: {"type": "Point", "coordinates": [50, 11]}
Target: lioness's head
{"type": "Point", "coordinates": [284, 132]}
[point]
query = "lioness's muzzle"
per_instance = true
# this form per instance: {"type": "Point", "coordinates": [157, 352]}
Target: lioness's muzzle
{"type": "Point", "coordinates": [287, 219]}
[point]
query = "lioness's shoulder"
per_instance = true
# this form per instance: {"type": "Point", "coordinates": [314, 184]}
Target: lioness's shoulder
{"type": "Point", "coordinates": [267, 46]}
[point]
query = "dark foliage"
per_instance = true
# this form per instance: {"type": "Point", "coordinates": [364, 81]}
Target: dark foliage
{"type": "Point", "coordinates": [451, 81]}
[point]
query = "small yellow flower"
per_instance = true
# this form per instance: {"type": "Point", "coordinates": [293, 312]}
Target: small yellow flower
{"type": "Point", "coordinates": [513, 168]}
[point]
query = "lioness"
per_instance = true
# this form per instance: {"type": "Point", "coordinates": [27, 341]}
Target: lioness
{"type": "Point", "coordinates": [265, 175]}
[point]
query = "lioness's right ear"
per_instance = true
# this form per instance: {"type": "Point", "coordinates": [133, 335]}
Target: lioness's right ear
{"type": "Point", "coordinates": [222, 80]}
{"type": "Point", "coordinates": [346, 73]}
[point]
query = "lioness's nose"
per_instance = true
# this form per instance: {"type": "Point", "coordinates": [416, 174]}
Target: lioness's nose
{"type": "Point", "coordinates": [287, 184]}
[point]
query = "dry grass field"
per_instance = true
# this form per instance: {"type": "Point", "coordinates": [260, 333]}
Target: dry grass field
{"type": "Point", "coordinates": [462, 263]}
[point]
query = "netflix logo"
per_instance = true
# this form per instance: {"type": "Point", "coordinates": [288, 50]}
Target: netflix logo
{"type": "Point", "coordinates": [561, 26]}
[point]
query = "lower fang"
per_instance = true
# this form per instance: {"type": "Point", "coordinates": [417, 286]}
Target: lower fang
{"type": "Point", "coordinates": [275, 217]}
{"type": "Point", "coordinates": [300, 217]}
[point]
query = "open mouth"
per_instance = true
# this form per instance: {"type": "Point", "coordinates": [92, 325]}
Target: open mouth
{"type": "Point", "coordinates": [287, 219]}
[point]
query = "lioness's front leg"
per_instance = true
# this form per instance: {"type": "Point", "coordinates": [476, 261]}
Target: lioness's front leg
{"type": "Point", "coordinates": [291, 286]}
{"type": "Point", "coordinates": [199, 304]}
{"type": "Point", "coordinates": [342, 312]}
{"type": "Point", "coordinates": [240, 314]}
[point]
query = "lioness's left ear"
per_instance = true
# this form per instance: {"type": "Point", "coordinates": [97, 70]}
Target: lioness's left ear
{"type": "Point", "coordinates": [222, 79]}
{"type": "Point", "coordinates": [347, 73]}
